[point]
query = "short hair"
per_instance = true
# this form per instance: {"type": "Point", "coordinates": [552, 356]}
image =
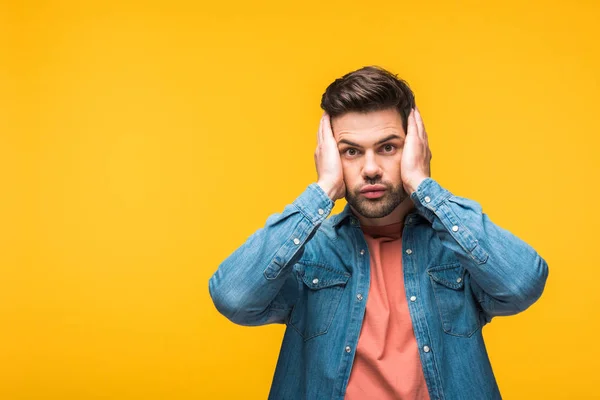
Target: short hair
{"type": "Point", "coordinates": [370, 88]}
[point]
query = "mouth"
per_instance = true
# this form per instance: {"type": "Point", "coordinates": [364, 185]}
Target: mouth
{"type": "Point", "coordinates": [373, 191]}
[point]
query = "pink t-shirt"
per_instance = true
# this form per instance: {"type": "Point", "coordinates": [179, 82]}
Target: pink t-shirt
{"type": "Point", "coordinates": [387, 364]}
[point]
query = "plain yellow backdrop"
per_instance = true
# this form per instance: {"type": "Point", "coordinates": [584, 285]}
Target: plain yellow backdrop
{"type": "Point", "coordinates": [142, 142]}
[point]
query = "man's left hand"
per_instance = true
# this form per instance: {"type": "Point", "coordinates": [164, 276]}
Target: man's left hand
{"type": "Point", "coordinates": [416, 155]}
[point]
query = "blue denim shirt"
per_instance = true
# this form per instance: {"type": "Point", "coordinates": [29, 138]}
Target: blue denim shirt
{"type": "Point", "coordinates": [312, 274]}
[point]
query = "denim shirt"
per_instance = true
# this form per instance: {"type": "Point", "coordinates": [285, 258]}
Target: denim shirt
{"type": "Point", "coordinates": [312, 274]}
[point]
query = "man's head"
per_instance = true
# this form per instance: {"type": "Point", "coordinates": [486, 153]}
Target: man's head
{"type": "Point", "coordinates": [369, 111]}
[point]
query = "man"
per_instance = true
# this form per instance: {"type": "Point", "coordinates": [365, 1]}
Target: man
{"type": "Point", "coordinates": [385, 300]}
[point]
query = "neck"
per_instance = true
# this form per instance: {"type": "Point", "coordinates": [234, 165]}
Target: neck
{"type": "Point", "coordinates": [395, 216]}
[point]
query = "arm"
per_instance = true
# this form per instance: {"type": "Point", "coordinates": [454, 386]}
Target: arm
{"type": "Point", "coordinates": [247, 286]}
{"type": "Point", "coordinates": [507, 274]}
{"type": "Point", "coordinates": [255, 284]}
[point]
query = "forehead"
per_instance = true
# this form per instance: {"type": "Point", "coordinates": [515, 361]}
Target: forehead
{"type": "Point", "coordinates": [370, 125]}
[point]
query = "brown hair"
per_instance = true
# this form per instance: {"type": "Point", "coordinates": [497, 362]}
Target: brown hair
{"type": "Point", "coordinates": [370, 88]}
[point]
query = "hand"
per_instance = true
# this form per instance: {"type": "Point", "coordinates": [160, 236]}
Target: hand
{"type": "Point", "coordinates": [328, 162]}
{"type": "Point", "coordinates": [416, 156]}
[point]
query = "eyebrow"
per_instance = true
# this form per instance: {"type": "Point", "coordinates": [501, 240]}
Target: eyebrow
{"type": "Point", "coordinates": [390, 137]}
{"type": "Point", "coordinates": [385, 139]}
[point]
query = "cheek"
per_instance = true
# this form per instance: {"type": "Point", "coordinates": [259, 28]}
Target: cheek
{"type": "Point", "coordinates": [351, 171]}
{"type": "Point", "coordinates": [392, 168]}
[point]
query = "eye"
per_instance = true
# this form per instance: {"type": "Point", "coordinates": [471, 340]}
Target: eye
{"type": "Point", "coordinates": [351, 152]}
{"type": "Point", "coordinates": [388, 148]}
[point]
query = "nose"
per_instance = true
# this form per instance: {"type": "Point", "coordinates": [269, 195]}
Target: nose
{"type": "Point", "coordinates": [371, 169]}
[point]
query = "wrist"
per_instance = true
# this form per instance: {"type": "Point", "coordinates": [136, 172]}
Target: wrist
{"type": "Point", "coordinates": [330, 190]}
{"type": "Point", "coordinates": [414, 184]}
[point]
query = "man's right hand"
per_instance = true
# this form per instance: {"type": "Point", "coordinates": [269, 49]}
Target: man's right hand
{"type": "Point", "coordinates": [328, 162]}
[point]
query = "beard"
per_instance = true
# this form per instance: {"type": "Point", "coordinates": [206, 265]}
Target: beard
{"type": "Point", "coordinates": [380, 207]}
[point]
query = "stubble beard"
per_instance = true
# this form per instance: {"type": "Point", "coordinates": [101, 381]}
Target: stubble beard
{"type": "Point", "coordinates": [377, 208]}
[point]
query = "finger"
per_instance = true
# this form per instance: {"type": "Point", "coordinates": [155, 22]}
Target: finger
{"type": "Point", "coordinates": [327, 131]}
{"type": "Point", "coordinates": [420, 125]}
{"type": "Point", "coordinates": [320, 130]}
{"type": "Point", "coordinates": [423, 131]}
{"type": "Point", "coordinates": [411, 129]}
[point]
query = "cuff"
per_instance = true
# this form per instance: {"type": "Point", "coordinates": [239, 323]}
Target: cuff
{"type": "Point", "coordinates": [428, 196]}
{"type": "Point", "coordinates": [314, 204]}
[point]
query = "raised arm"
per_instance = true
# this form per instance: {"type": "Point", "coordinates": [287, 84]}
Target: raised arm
{"type": "Point", "coordinates": [508, 275]}
{"type": "Point", "coordinates": [255, 284]}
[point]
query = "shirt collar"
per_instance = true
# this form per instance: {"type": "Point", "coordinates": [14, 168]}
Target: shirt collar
{"type": "Point", "coordinates": [347, 213]}
{"type": "Point", "coordinates": [341, 217]}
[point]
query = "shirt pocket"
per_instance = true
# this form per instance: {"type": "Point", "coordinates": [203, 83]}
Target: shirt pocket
{"type": "Point", "coordinates": [458, 311]}
{"type": "Point", "coordinates": [321, 289]}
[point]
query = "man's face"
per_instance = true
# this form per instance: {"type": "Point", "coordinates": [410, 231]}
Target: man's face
{"type": "Point", "coordinates": [370, 146]}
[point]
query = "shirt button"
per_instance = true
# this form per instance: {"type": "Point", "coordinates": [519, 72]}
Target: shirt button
{"type": "Point", "coordinates": [454, 228]}
{"type": "Point", "coordinates": [348, 349]}
{"type": "Point", "coordinates": [296, 241]}
{"type": "Point", "coordinates": [426, 349]}
{"type": "Point", "coordinates": [408, 251]}
{"type": "Point", "coordinates": [359, 296]}
{"type": "Point", "coordinates": [427, 199]}
{"type": "Point", "coordinates": [321, 212]}
{"type": "Point", "coordinates": [315, 281]}
{"type": "Point", "coordinates": [413, 298]}
{"type": "Point", "coordinates": [362, 252]}
{"type": "Point", "coordinates": [459, 280]}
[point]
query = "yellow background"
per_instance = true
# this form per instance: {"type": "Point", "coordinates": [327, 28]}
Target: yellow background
{"type": "Point", "coordinates": [141, 143]}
